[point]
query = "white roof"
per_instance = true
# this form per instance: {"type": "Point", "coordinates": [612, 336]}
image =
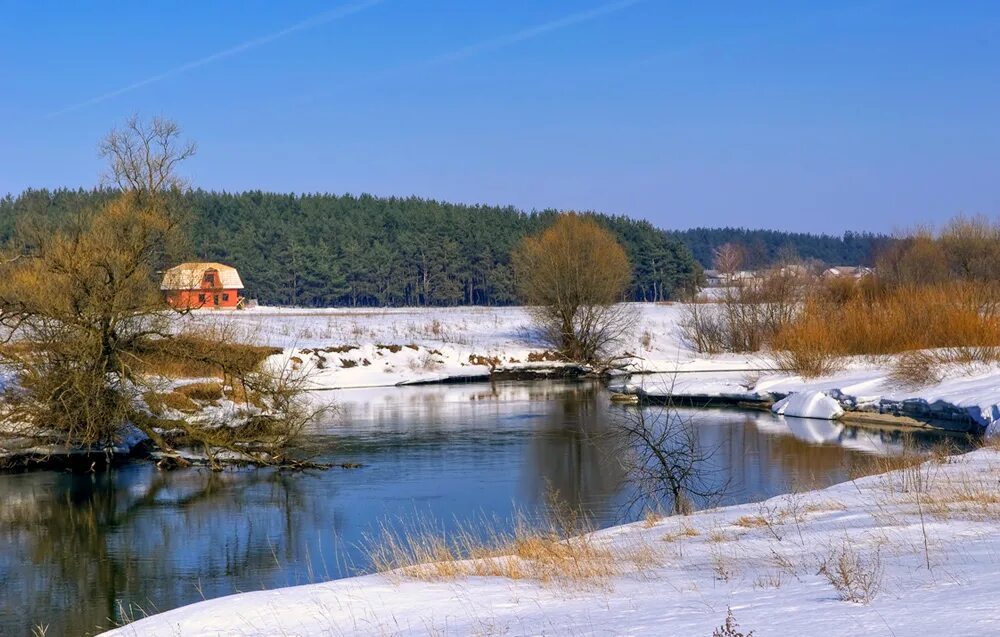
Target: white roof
{"type": "Point", "coordinates": [188, 276]}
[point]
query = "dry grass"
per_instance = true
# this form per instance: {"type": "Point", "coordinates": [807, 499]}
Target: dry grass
{"type": "Point", "coordinates": [751, 521]}
{"type": "Point", "coordinates": [197, 357]}
{"type": "Point", "coordinates": [528, 552]}
{"type": "Point", "coordinates": [683, 532]}
{"type": "Point", "coordinates": [201, 391]}
{"type": "Point", "coordinates": [718, 536]}
{"type": "Point", "coordinates": [724, 565]}
{"type": "Point", "coordinates": [856, 576]}
{"type": "Point", "coordinates": [909, 472]}
{"type": "Point", "coordinates": [965, 499]}
{"type": "Point", "coordinates": [159, 403]}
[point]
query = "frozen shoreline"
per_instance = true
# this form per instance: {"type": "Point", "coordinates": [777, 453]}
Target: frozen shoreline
{"type": "Point", "coordinates": [349, 348]}
{"type": "Point", "coordinates": [344, 348]}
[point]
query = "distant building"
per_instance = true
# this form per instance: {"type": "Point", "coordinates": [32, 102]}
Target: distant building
{"type": "Point", "coordinates": [716, 279]}
{"type": "Point", "coordinates": [748, 276]}
{"type": "Point", "coordinates": [847, 271]}
{"type": "Point", "coordinates": [793, 270]}
{"type": "Point", "coordinates": [202, 285]}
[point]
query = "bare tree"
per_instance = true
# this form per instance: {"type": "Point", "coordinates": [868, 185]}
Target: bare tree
{"type": "Point", "coordinates": [729, 258]}
{"type": "Point", "coordinates": [663, 459]}
{"type": "Point", "coordinates": [574, 276]}
{"type": "Point", "coordinates": [143, 155]}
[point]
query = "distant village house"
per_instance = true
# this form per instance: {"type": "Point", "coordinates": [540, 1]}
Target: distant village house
{"type": "Point", "coordinates": [715, 278]}
{"type": "Point", "coordinates": [202, 285]}
{"type": "Point", "coordinates": [848, 271]}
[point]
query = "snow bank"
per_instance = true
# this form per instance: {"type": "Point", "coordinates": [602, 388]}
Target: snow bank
{"type": "Point", "coordinates": [964, 398]}
{"type": "Point", "coordinates": [809, 404]}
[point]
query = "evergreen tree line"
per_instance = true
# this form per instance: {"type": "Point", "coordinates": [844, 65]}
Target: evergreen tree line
{"type": "Point", "coordinates": [763, 248]}
{"type": "Point", "coordinates": [325, 250]}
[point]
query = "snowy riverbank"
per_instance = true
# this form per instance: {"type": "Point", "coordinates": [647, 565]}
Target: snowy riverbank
{"type": "Point", "coordinates": [342, 348]}
{"type": "Point", "coordinates": [913, 551]}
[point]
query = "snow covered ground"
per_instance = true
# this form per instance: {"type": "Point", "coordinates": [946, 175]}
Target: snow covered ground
{"type": "Point", "coordinates": [911, 552]}
{"type": "Point", "coordinates": [423, 344]}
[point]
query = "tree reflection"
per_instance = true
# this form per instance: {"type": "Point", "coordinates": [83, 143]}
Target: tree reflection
{"type": "Point", "coordinates": [573, 454]}
{"type": "Point", "coordinates": [139, 538]}
{"type": "Point", "coordinates": [665, 461]}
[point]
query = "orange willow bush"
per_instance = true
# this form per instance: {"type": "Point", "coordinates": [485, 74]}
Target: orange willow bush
{"type": "Point", "coordinates": [878, 321]}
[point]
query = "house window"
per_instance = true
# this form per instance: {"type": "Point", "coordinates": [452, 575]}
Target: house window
{"type": "Point", "coordinates": [215, 299]}
{"type": "Point", "coordinates": [209, 278]}
{"type": "Point", "coordinates": [201, 298]}
{"type": "Point", "coordinates": [225, 297]}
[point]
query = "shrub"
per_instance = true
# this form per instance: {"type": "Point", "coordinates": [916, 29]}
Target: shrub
{"type": "Point", "coordinates": [949, 318]}
{"type": "Point", "coordinates": [747, 316]}
{"type": "Point", "coordinates": [730, 628]}
{"type": "Point", "coordinates": [574, 276]}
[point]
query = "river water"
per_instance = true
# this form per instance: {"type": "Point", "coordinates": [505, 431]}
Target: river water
{"type": "Point", "coordinates": [79, 550]}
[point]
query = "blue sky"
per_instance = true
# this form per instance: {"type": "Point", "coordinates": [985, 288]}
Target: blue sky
{"type": "Point", "coordinates": [816, 116]}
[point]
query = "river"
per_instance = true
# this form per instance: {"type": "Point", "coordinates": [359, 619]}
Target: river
{"type": "Point", "coordinates": [78, 550]}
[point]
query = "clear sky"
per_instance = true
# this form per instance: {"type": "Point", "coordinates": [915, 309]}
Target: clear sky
{"type": "Point", "coordinates": [815, 116]}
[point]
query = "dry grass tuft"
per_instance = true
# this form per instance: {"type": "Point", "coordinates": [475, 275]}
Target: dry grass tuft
{"type": "Point", "coordinates": [751, 521]}
{"type": "Point", "coordinates": [683, 532]}
{"type": "Point", "coordinates": [529, 552]}
{"type": "Point", "coordinates": [856, 576]}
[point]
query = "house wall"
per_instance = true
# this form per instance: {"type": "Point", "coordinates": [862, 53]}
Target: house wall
{"type": "Point", "coordinates": [208, 298]}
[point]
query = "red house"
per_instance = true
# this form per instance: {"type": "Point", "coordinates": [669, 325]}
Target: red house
{"type": "Point", "coordinates": [202, 285]}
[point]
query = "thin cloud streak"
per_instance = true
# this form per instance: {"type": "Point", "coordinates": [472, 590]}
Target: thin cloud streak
{"type": "Point", "coordinates": [309, 23]}
{"type": "Point", "coordinates": [530, 32]}
{"type": "Point", "coordinates": [497, 42]}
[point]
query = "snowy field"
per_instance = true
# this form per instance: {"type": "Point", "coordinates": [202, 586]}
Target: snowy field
{"type": "Point", "coordinates": [912, 552]}
{"type": "Point", "coordinates": [421, 344]}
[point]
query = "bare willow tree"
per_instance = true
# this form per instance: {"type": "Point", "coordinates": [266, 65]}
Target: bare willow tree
{"type": "Point", "coordinates": [89, 338]}
{"type": "Point", "coordinates": [664, 460]}
{"type": "Point", "coordinates": [143, 155]}
{"type": "Point", "coordinates": [574, 276]}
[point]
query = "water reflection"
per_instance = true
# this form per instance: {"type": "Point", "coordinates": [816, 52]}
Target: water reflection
{"type": "Point", "coordinates": [73, 548]}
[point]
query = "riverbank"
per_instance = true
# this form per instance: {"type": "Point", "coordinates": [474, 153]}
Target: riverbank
{"type": "Point", "coordinates": [346, 348]}
{"type": "Point", "coordinates": [912, 551]}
